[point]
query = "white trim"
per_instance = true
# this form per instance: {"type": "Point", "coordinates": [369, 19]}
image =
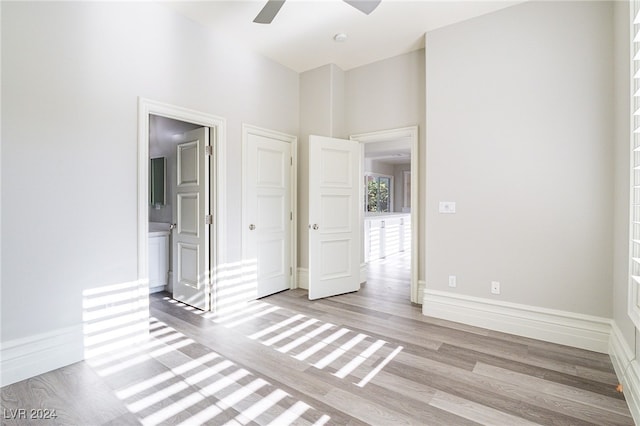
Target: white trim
{"type": "Point", "coordinates": [218, 128]}
{"type": "Point", "coordinates": [566, 328]}
{"type": "Point", "coordinates": [303, 278]}
{"type": "Point", "coordinates": [363, 272]}
{"type": "Point", "coordinates": [633, 309]}
{"type": "Point", "coordinates": [627, 370]}
{"type": "Point", "coordinates": [293, 141]}
{"type": "Point", "coordinates": [412, 134]}
{"type": "Point", "coordinates": [422, 285]}
{"type": "Point", "coordinates": [27, 357]}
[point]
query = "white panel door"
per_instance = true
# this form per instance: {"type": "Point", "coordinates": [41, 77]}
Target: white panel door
{"type": "Point", "coordinates": [334, 219]}
{"type": "Point", "coordinates": [191, 250]}
{"type": "Point", "coordinates": [267, 216]}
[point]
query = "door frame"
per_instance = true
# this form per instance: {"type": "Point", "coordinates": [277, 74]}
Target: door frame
{"type": "Point", "coordinates": [248, 129]}
{"type": "Point", "coordinates": [390, 135]}
{"type": "Point", "coordinates": [218, 132]}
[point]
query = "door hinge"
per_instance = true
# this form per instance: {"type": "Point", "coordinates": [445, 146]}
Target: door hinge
{"type": "Point", "coordinates": [290, 215]}
{"type": "Point", "coordinates": [208, 219]}
{"type": "Point", "coordinates": [291, 270]}
{"type": "Point", "coordinates": [208, 150]}
{"type": "Point", "coordinates": [291, 158]}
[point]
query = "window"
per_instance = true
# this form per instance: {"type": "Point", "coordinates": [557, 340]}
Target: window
{"type": "Point", "coordinates": [634, 252]}
{"type": "Point", "coordinates": [378, 193]}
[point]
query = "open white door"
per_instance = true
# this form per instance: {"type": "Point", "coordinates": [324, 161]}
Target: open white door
{"type": "Point", "coordinates": [334, 216]}
{"type": "Point", "coordinates": [268, 211]}
{"type": "Point", "coordinates": [191, 250]}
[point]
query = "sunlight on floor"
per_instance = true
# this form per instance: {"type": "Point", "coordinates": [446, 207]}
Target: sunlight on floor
{"type": "Point", "coordinates": [202, 389]}
{"type": "Point", "coordinates": [123, 345]}
{"type": "Point", "coordinates": [122, 340]}
{"type": "Point", "coordinates": [322, 345]}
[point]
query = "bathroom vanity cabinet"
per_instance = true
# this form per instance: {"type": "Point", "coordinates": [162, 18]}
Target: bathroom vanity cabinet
{"type": "Point", "coordinates": [158, 258]}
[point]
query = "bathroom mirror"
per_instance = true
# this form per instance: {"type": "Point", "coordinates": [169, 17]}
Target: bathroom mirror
{"type": "Point", "coordinates": [157, 177]}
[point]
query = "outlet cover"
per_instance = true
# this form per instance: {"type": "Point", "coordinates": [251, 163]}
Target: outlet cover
{"type": "Point", "coordinates": [495, 287]}
{"type": "Point", "coordinates": [452, 281]}
{"type": "Point", "coordinates": [447, 207]}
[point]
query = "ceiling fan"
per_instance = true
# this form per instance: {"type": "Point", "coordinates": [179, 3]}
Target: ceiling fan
{"type": "Point", "coordinates": [271, 9]}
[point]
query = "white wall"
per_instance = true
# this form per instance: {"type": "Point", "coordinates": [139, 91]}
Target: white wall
{"type": "Point", "coordinates": [386, 94]}
{"type": "Point", "coordinates": [378, 166]}
{"type": "Point", "coordinates": [71, 77]}
{"type": "Point", "coordinates": [519, 128]}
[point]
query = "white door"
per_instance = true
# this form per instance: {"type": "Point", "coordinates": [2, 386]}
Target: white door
{"type": "Point", "coordinates": [268, 212]}
{"type": "Point", "coordinates": [334, 216]}
{"type": "Point", "coordinates": [191, 250]}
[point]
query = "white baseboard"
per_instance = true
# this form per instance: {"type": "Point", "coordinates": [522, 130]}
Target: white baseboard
{"type": "Point", "coordinates": [566, 328]}
{"type": "Point", "coordinates": [303, 278]}
{"type": "Point", "coordinates": [26, 357]}
{"type": "Point", "coordinates": [627, 370]}
{"type": "Point", "coordinates": [363, 272]}
{"type": "Point", "coordinates": [421, 289]}
{"type": "Point", "coordinates": [104, 307]}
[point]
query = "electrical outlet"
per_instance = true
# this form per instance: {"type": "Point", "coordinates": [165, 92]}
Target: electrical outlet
{"type": "Point", "coordinates": [452, 281]}
{"type": "Point", "coordinates": [447, 207]}
{"type": "Point", "coordinates": [495, 287]}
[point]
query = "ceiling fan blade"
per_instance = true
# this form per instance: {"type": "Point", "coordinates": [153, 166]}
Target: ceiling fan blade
{"type": "Point", "coordinates": [364, 6]}
{"type": "Point", "coordinates": [269, 11]}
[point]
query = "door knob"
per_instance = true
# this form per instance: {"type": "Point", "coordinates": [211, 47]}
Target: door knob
{"type": "Point", "coordinates": [315, 226]}
{"type": "Point", "coordinates": [252, 227]}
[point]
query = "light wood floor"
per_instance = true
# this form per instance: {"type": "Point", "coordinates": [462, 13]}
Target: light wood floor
{"type": "Point", "coordinates": [369, 357]}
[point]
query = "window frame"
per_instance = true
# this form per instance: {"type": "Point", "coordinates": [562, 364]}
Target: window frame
{"type": "Point", "coordinates": [634, 173]}
{"type": "Point", "coordinates": [367, 175]}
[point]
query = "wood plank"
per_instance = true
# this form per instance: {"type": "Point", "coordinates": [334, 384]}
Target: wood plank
{"type": "Point", "coordinates": [615, 407]}
{"type": "Point", "coordinates": [523, 367]}
{"type": "Point", "coordinates": [476, 412]}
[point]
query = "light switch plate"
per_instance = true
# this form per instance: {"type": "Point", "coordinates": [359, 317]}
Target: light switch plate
{"type": "Point", "coordinates": [447, 207]}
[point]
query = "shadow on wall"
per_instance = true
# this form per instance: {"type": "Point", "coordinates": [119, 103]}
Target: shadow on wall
{"type": "Point", "coordinates": [236, 285]}
{"type": "Point", "coordinates": [114, 317]}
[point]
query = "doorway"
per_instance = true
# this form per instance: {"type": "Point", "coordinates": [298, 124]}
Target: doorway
{"type": "Point", "coordinates": [390, 206]}
{"type": "Point", "coordinates": [152, 117]}
{"type": "Point", "coordinates": [165, 135]}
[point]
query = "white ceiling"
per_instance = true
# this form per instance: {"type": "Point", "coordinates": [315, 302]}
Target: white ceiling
{"type": "Point", "coordinates": [301, 35]}
{"type": "Point", "coordinates": [390, 152]}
